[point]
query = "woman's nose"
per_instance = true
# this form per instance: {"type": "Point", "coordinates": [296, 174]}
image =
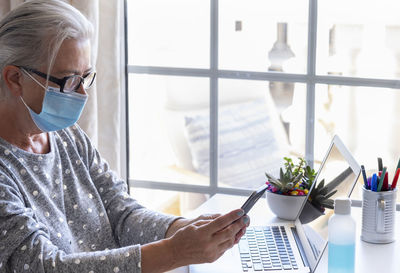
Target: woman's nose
{"type": "Point", "coordinates": [81, 90]}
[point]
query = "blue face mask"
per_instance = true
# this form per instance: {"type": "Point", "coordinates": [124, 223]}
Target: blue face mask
{"type": "Point", "coordinates": [59, 110]}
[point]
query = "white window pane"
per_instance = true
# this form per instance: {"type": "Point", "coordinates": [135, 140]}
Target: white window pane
{"type": "Point", "coordinates": [158, 106]}
{"type": "Point", "coordinates": [252, 136]}
{"type": "Point", "coordinates": [248, 32]}
{"type": "Point", "coordinates": [169, 33]}
{"type": "Point", "coordinates": [355, 41]}
{"type": "Point", "coordinates": [366, 119]}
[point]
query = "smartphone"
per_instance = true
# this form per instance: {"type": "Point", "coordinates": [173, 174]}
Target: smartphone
{"type": "Point", "coordinates": [253, 198]}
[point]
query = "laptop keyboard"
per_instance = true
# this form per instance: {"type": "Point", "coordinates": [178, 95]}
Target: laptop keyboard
{"type": "Point", "coordinates": [266, 249]}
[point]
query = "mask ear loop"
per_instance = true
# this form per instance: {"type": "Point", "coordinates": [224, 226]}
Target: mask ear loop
{"type": "Point", "coordinates": [35, 80]}
{"type": "Point", "coordinates": [26, 105]}
{"type": "Point", "coordinates": [31, 111]}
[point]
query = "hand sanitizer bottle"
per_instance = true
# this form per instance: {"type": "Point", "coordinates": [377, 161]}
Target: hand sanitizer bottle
{"type": "Point", "coordinates": [341, 242]}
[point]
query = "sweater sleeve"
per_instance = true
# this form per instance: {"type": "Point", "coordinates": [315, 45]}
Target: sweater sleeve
{"type": "Point", "coordinates": [131, 222]}
{"type": "Point", "coordinates": [25, 244]}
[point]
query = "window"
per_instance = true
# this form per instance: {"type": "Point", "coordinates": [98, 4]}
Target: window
{"type": "Point", "coordinates": [219, 91]}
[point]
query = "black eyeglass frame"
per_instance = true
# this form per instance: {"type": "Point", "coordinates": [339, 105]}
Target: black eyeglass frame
{"type": "Point", "coordinates": [61, 82]}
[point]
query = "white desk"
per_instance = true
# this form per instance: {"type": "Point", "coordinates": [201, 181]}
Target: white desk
{"type": "Point", "coordinates": [369, 257]}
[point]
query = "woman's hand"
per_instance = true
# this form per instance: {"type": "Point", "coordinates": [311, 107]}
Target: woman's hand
{"type": "Point", "coordinates": [206, 238]}
{"type": "Point", "coordinates": [183, 222]}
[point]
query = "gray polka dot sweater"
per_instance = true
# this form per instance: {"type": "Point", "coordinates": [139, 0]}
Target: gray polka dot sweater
{"type": "Point", "coordinates": [66, 211]}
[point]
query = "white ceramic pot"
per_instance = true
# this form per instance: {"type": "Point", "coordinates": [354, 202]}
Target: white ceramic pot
{"type": "Point", "coordinates": [285, 206]}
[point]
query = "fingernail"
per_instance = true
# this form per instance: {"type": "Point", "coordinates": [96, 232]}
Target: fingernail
{"type": "Point", "coordinates": [240, 213]}
{"type": "Point", "coordinates": [246, 219]}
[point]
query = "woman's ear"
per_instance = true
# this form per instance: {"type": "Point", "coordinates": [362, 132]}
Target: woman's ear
{"type": "Point", "coordinates": [13, 79]}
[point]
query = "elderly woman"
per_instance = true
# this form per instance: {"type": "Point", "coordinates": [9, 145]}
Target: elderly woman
{"type": "Point", "coordinates": [61, 208]}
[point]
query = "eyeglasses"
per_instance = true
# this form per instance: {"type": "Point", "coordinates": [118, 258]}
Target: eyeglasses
{"type": "Point", "coordinates": [70, 83]}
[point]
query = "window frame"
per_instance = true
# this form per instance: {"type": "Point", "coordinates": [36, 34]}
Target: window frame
{"type": "Point", "coordinates": [214, 74]}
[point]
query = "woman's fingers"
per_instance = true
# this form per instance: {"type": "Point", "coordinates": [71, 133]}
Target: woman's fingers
{"type": "Point", "coordinates": [231, 241]}
{"type": "Point", "coordinates": [208, 216]}
{"type": "Point", "coordinates": [239, 235]}
{"type": "Point", "coordinates": [227, 244]}
{"type": "Point", "coordinates": [230, 231]}
{"type": "Point", "coordinates": [242, 231]}
{"type": "Point", "coordinates": [223, 221]}
{"type": "Point", "coordinates": [202, 218]}
{"type": "Point", "coordinates": [200, 223]}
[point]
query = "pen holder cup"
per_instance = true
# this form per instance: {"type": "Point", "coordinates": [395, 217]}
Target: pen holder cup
{"type": "Point", "coordinates": [378, 216]}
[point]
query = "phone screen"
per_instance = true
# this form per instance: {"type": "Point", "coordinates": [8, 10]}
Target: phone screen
{"type": "Point", "coordinates": [253, 198]}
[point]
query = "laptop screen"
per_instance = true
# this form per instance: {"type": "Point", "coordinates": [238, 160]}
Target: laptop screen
{"type": "Point", "coordinates": [336, 177]}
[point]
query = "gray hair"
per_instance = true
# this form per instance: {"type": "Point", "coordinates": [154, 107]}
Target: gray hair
{"type": "Point", "coordinates": [32, 33]}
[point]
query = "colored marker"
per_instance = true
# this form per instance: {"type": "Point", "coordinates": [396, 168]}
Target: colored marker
{"type": "Point", "coordinates": [364, 176]}
{"type": "Point", "coordinates": [380, 184]}
{"type": "Point", "coordinates": [380, 164]}
{"type": "Point", "coordinates": [373, 182]}
{"type": "Point", "coordinates": [385, 185]}
{"type": "Point", "coordinates": [369, 182]}
{"type": "Point", "coordinates": [395, 179]}
{"type": "Point", "coordinates": [398, 165]}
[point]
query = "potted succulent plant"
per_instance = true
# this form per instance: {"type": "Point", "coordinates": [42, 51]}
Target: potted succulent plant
{"type": "Point", "coordinates": [286, 193]}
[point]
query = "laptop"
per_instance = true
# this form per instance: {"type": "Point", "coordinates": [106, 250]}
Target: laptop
{"type": "Point", "coordinates": [292, 246]}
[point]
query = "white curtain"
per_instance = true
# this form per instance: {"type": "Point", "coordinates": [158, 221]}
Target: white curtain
{"type": "Point", "coordinates": [101, 119]}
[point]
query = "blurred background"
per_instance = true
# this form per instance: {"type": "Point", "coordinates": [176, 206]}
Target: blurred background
{"type": "Point", "coordinates": [252, 61]}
